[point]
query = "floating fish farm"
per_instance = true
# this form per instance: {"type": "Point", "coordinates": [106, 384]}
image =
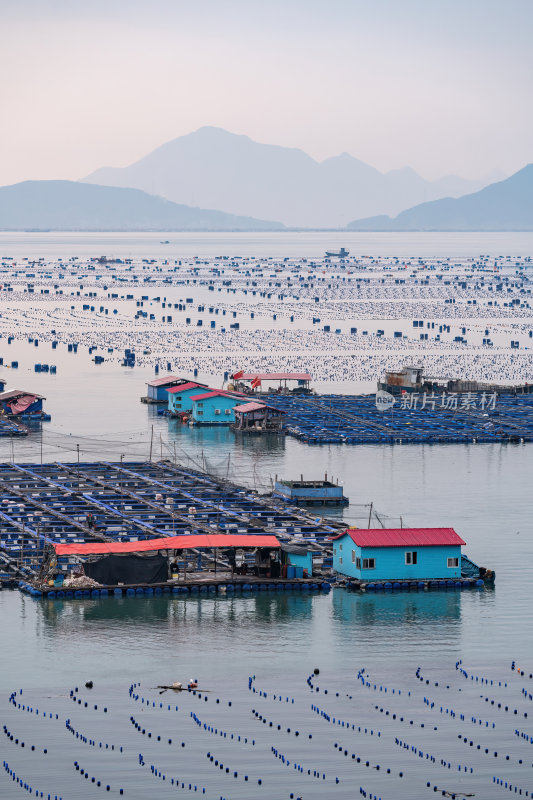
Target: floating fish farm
{"type": "Point", "coordinates": [354, 419]}
{"type": "Point", "coordinates": [50, 504]}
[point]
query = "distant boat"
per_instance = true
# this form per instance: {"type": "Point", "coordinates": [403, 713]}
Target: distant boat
{"type": "Point", "coordinates": [165, 242]}
{"type": "Point", "coordinates": [342, 253]}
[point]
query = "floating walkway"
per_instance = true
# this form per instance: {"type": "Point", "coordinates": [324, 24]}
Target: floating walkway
{"type": "Point", "coordinates": [414, 585]}
{"type": "Point", "coordinates": [354, 419]}
{"type": "Point", "coordinates": [208, 585]}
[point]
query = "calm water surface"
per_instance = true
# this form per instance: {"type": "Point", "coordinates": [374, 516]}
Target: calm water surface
{"type": "Point", "coordinates": [49, 648]}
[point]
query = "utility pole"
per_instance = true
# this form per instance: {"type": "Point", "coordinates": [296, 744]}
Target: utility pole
{"type": "Point", "coordinates": [151, 442]}
{"type": "Point", "coordinates": [120, 487]}
{"type": "Point", "coordinates": [370, 514]}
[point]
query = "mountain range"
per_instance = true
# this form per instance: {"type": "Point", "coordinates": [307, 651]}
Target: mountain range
{"type": "Point", "coordinates": [503, 206]}
{"type": "Point", "coordinates": [213, 168]}
{"type": "Point", "coordinates": [71, 206]}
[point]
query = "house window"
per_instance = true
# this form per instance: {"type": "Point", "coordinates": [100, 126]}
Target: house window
{"type": "Point", "coordinates": [340, 547]}
{"type": "Point", "coordinates": [227, 411]}
{"type": "Point", "coordinates": [200, 413]}
{"type": "Point", "coordinates": [353, 556]}
{"type": "Point", "coordinates": [340, 560]}
{"type": "Point", "coordinates": [334, 551]}
{"type": "Point", "coordinates": [217, 410]}
{"type": "Point", "coordinates": [411, 557]}
{"type": "Point", "coordinates": [369, 563]}
{"type": "Point", "coordinates": [453, 562]}
{"type": "Point", "coordinates": [178, 399]}
{"type": "Point", "coordinates": [200, 405]}
{"type": "Point", "coordinates": [358, 563]}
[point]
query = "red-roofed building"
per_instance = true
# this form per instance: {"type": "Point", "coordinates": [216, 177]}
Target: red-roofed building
{"type": "Point", "coordinates": [179, 397]}
{"type": "Point", "coordinates": [215, 406]}
{"type": "Point", "coordinates": [157, 388]}
{"type": "Point", "coordinates": [389, 554]}
{"type": "Point", "coordinates": [256, 379]}
{"type": "Point", "coordinates": [257, 418]}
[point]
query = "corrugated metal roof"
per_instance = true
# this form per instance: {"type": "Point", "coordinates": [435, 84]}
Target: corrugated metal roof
{"type": "Point", "coordinates": [257, 407]}
{"type": "Point", "coordinates": [216, 393]}
{"type": "Point", "coordinates": [250, 407]}
{"type": "Point", "coordinates": [276, 376]}
{"type": "Point", "coordinates": [184, 386]}
{"type": "Point", "coordinates": [19, 393]}
{"type": "Point", "coordinates": [185, 542]}
{"type": "Point", "coordinates": [403, 537]}
{"type": "Point", "coordinates": [163, 381]}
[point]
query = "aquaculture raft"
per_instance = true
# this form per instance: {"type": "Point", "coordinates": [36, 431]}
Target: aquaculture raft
{"type": "Point", "coordinates": [42, 505]}
{"type": "Point", "coordinates": [354, 419]}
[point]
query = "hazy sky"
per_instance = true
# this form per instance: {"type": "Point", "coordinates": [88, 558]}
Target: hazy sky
{"type": "Point", "coordinates": [441, 85]}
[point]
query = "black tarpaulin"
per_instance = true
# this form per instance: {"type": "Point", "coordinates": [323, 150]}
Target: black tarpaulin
{"type": "Point", "coordinates": [114, 569]}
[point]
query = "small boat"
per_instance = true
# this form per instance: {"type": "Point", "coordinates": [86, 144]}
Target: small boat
{"type": "Point", "coordinates": [342, 253]}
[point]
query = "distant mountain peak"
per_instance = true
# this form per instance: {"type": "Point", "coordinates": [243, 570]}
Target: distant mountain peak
{"type": "Point", "coordinates": [505, 205]}
{"type": "Point", "coordinates": [214, 168]}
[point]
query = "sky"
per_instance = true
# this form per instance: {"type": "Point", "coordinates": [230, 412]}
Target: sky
{"type": "Point", "coordinates": [442, 86]}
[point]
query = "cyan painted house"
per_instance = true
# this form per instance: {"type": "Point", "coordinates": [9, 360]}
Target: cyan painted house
{"type": "Point", "coordinates": [398, 554]}
{"type": "Point", "coordinates": [298, 556]}
{"type": "Point", "coordinates": [215, 407]}
{"type": "Point", "coordinates": [179, 397]}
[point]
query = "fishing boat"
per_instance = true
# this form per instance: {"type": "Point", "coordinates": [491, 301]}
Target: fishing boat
{"type": "Point", "coordinates": [342, 253]}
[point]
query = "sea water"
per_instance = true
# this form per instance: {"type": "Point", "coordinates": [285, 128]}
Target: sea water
{"type": "Point", "coordinates": [367, 648]}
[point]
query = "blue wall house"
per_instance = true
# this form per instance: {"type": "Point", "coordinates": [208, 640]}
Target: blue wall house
{"type": "Point", "coordinates": [398, 554]}
{"type": "Point", "coordinates": [179, 397]}
{"type": "Point", "coordinates": [298, 557]}
{"type": "Point", "coordinates": [157, 389]}
{"type": "Point", "coordinates": [215, 407]}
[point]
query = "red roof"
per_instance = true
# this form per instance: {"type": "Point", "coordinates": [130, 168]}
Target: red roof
{"type": "Point", "coordinates": [163, 381]}
{"type": "Point", "coordinates": [245, 407]}
{"type": "Point", "coordinates": [184, 542]}
{"type": "Point", "coordinates": [184, 386]}
{"type": "Point", "coordinates": [255, 407]}
{"type": "Point", "coordinates": [403, 537]}
{"type": "Point", "coordinates": [276, 376]}
{"type": "Point", "coordinates": [216, 393]}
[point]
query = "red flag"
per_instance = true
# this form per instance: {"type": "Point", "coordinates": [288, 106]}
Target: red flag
{"type": "Point", "coordinates": [237, 375]}
{"type": "Point", "coordinates": [256, 382]}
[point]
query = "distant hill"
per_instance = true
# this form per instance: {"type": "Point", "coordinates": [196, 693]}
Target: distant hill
{"type": "Point", "coordinates": [503, 206]}
{"type": "Point", "coordinates": [73, 206]}
{"type": "Point", "coordinates": [213, 168]}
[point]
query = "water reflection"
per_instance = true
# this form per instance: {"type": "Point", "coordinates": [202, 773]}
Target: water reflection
{"type": "Point", "coordinates": [146, 614]}
{"type": "Point", "coordinates": [396, 609]}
